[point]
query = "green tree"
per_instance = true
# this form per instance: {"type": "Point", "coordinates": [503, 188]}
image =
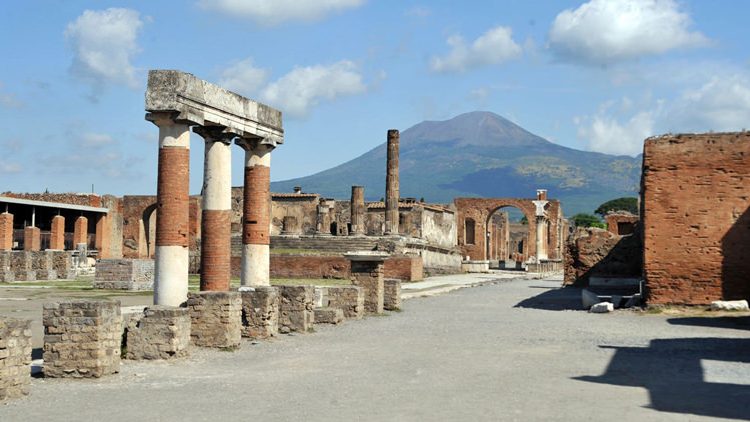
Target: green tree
{"type": "Point", "coordinates": [587, 220]}
{"type": "Point", "coordinates": [626, 203]}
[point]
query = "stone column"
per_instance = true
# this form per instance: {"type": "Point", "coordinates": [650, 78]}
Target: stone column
{"type": "Point", "coordinates": [391, 184]}
{"type": "Point", "coordinates": [172, 221]}
{"type": "Point", "coordinates": [357, 208]}
{"type": "Point", "coordinates": [216, 227]}
{"type": "Point", "coordinates": [101, 242]}
{"type": "Point", "coordinates": [256, 224]}
{"type": "Point", "coordinates": [6, 231]}
{"type": "Point", "coordinates": [32, 238]}
{"type": "Point", "coordinates": [541, 247]}
{"type": "Point", "coordinates": [57, 235]}
{"type": "Point", "coordinates": [80, 231]}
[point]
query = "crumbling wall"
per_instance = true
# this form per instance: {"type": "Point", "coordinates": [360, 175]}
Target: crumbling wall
{"type": "Point", "coordinates": [597, 252]}
{"type": "Point", "coordinates": [695, 191]}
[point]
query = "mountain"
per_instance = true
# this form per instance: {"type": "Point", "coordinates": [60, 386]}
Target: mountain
{"type": "Point", "coordinates": [481, 154]}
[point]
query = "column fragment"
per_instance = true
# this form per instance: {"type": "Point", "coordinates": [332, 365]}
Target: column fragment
{"type": "Point", "coordinates": [357, 208]}
{"type": "Point", "coordinates": [6, 231]}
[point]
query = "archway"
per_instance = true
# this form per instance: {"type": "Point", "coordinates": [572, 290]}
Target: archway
{"type": "Point", "coordinates": [507, 238]}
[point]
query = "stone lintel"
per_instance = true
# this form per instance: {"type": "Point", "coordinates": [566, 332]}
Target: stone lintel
{"type": "Point", "coordinates": [371, 256]}
{"type": "Point", "coordinates": [195, 101]}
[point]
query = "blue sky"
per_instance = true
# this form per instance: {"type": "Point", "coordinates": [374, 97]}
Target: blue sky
{"type": "Point", "coordinates": [599, 75]}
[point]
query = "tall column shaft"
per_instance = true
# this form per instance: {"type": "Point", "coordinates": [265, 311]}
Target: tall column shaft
{"type": "Point", "coordinates": [216, 229]}
{"type": "Point", "coordinates": [172, 221]}
{"type": "Point", "coordinates": [391, 184]}
{"type": "Point", "coordinates": [57, 233]}
{"type": "Point", "coordinates": [32, 238]}
{"type": "Point", "coordinates": [6, 231]}
{"type": "Point", "coordinates": [541, 248]}
{"type": "Point", "coordinates": [81, 231]}
{"type": "Point", "coordinates": [101, 242]}
{"type": "Point", "coordinates": [256, 227]}
{"type": "Point", "coordinates": [357, 208]}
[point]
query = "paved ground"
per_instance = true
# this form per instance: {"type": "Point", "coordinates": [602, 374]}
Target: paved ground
{"type": "Point", "coordinates": [506, 351]}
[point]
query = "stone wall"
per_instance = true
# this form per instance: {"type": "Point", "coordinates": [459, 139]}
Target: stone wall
{"type": "Point", "coordinates": [124, 274]}
{"type": "Point", "coordinates": [215, 318]}
{"type": "Point", "coordinates": [15, 357]}
{"type": "Point", "coordinates": [161, 332]}
{"type": "Point", "coordinates": [82, 338]}
{"type": "Point", "coordinates": [407, 268]}
{"type": "Point", "coordinates": [696, 214]}
{"type": "Point", "coordinates": [296, 309]}
{"type": "Point", "coordinates": [598, 252]}
{"type": "Point", "coordinates": [621, 223]}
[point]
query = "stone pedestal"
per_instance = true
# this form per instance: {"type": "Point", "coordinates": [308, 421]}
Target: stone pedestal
{"type": "Point", "coordinates": [22, 264]}
{"type": "Point", "coordinates": [216, 319]}
{"type": "Point", "coordinates": [162, 332]}
{"type": "Point", "coordinates": [260, 312]}
{"type": "Point", "coordinates": [296, 306]}
{"type": "Point", "coordinates": [367, 273]}
{"type": "Point", "coordinates": [350, 299]}
{"type": "Point", "coordinates": [43, 265]}
{"type": "Point", "coordinates": [62, 261]}
{"type": "Point", "coordinates": [82, 338]}
{"type": "Point", "coordinates": [392, 294]}
{"type": "Point", "coordinates": [32, 238]}
{"type": "Point", "coordinates": [6, 273]}
{"type": "Point", "coordinates": [124, 274]}
{"type": "Point", "coordinates": [15, 357]}
{"type": "Point", "coordinates": [329, 316]}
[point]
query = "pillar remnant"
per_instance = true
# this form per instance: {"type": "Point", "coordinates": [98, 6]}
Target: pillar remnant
{"type": "Point", "coordinates": [80, 231]}
{"type": "Point", "coordinates": [260, 312]}
{"type": "Point", "coordinates": [391, 184]}
{"type": "Point", "coordinates": [296, 309]}
{"type": "Point", "coordinates": [367, 273]}
{"type": "Point", "coordinates": [57, 233]}
{"type": "Point", "coordinates": [15, 357]}
{"type": "Point", "coordinates": [32, 238]}
{"type": "Point", "coordinates": [174, 101]}
{"type": "Point", "coordinates": [357, 208]}
{"type": "Point", "coordinates": [162, 332]}
{"type": "Point", "coordinates": [392, 294]}
{"type": "Point", "coordinates": [101, 241]}
{"type": "Point", "coordinates": [215, 318]}
{"type": "Point", "coordinates": [6, 231]}
{"type": "Point", "coordinates": [256, 225]}
{"type": "Point", "coordinates": [216, 228]}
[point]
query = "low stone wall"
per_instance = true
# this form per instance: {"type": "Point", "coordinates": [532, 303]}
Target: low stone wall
{"type": "Point", "coordinates": [350, 299]}
{"type": "Point", "coordinates": [405, 267]}
{"type": "Point", "coordinates": [36, 265]}
{"type": "Point", "coordinates": [161, 332]}
{"type": "Point", "coordinates": [124, 274]}
{"type": "Point", "coordinates": [296, 306]}
{"type": "Point", "coordinates": [329, 316]}
{"type": "Point", "coordinates": [597, 252]}
{"type": "Point", "coordinates": [260, 312]}
{"type": "Point", "coordinates": [392, 294]}
{"type": "Point", "coordinates": [15, 357]}
{"type": "Point", "coordinates": [82, 338]}
{"type": "Point", "coordinates": [215, 318]}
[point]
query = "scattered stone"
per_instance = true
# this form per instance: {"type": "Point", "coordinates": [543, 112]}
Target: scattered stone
{"type": "Point", "coordinates": [329, 316]}
{"type": "Point", "coordinates": [729, 305]}
{"type": "Point", "coordinates": [602, 308]}
{"type": "Point", "coordinates": [15, 357]}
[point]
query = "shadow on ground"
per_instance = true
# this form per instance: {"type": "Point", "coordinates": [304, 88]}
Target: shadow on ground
{"type": "Point", "coordinates": [556, 299]}
{"type": "Point", "coordinates": [696, 376]}
{"type": "Point", "coordinates": [732, 322]}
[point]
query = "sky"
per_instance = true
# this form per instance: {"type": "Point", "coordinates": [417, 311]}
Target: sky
{"type": "Point", "coordinates": [600, 75]}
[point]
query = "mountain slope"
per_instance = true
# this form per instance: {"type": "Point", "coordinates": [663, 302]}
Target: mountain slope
{"type": "Point", "coordinates": [481, 154]}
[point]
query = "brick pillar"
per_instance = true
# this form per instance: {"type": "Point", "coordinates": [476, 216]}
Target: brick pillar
{"type": "Point", "coordinates": [216, 229]}
{"type": "Point", "coordinates": [102, 236]}
{"type": "Point", "coordinates": [80, 231]}
{"type": "Point", "coordinates": [357, 208]}
{"type": "Point", "coordinates": [57, 236]}
{"type": "Point", "coordinates": [391, 184]}
{"type": "Point", "coordinates": [172, 218]}
{"type": "Point", "coordinates": [256, 224]}
{"type": "Point", "coordinates": [6, 231]}
{"type": "Point", "coordinates": [32, 238]}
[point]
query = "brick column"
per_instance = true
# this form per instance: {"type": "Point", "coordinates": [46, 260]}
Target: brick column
{"type": "Point", "coordinates": [80, 231]}
{"type": "Point", "coordinates": [32, 238]}
{"type": "Point", "coordinates": [102, 236]}
{"type": "Point", "coordinates": [172, 221]}
{"type": "Point", "coordinates": [391, 184]}
{"type": "Point", "coordinates": [216, 229]}
{"type": "Point", "coordinates": [6, 231]}
{"type": "Point", "coordinates": [357, 208]}
{"type": "Point", "coordinates": [256, 225]}
{"type": "Point", "coordinates": [57, 235]}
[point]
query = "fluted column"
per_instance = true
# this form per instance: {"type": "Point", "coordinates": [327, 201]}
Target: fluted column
{"type": "Point", "coordinates": [357, 208]}
{"type": "Point", "coordinates": [172, 221]}
{"type": "Point", "coordinates": [216, 229]}
{"type": "Point", "coordinates": [256, 225]}
{"type": "Point", "coordinates": [392, 184]}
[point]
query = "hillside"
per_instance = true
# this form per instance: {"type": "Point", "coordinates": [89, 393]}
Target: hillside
{"type": "Point", "coordinates": [481, 154]}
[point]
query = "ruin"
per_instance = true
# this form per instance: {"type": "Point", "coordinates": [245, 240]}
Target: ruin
{"type": "Point", "coordinates": [175, 101]}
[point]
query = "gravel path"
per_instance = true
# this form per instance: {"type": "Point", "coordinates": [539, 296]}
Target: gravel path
{"type": "Point", "coordinates": [472, 354]}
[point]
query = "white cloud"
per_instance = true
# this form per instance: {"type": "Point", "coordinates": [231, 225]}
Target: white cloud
{"type": "Point", "coordinates": [95, 140]}
{"type": "Point", "coordinates": [493, 47]}
{"type": "Point", "coordinates": [606, 134]}
{"type": "Point", "coordinates": [243, 77]}
{"type": "Point", "coordinates": [721, 104]}
{"type": "Point", "coordinates": [272, 12]}
{"type": "Point", "coordinates": [608, 31]}
{"type": "Point", "coordinates": [104, 43]}
{"type": "Point", "coordinates": [9, 167]}
{"type": "Point", "coordinates": [304, 87]}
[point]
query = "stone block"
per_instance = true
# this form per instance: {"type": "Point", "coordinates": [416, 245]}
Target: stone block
{"type": "Point", "coordinates": [329, 316]}
{"type": "Point", "coordinates": [62, 261]}
{"type": "Point", "coordinates": [22, 263]}
{"type": "Point", "coordinates": [82, 338]}
{"type": "Point", "coordinates": [15, 357]}
{"type": "Point", "coordinates": [216, 319]}
{"type": "Point", "coordinates": [729, 305]}
{"type": "Point", "coordinates": [6, 273]}
{"type": "Point", "coordinates": [296, 312]}
{"type": "Point", "coordinates": [161, 332]}
{"type": "Point", "coordinates": [602, 308]}
{"type": "Point", "coordinates": [369, 276]}
{"type": "Point", "coordinates": [350, 299]}
{"type": "Point", "coordinates": [391, 294]}
{"type": "Point", "coordinates": [124, 274]}
{"type": "Point", "coordinates": [260, 312]}
{"type": "Point", "coordinates": [43, 266]}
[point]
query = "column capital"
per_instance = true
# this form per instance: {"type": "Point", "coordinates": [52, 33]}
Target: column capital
{"type": "Point", "coordinates": [251, 144]}
{"type": "Point", "coordinates": [215, 134]}
{"type": "Point", "coordinates": [162, 118]}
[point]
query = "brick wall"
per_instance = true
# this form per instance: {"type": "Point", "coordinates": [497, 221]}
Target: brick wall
{"type": "Point", "coordinates": [597, 252]}
{"type": "Point", "coordinates": [696, 217]}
